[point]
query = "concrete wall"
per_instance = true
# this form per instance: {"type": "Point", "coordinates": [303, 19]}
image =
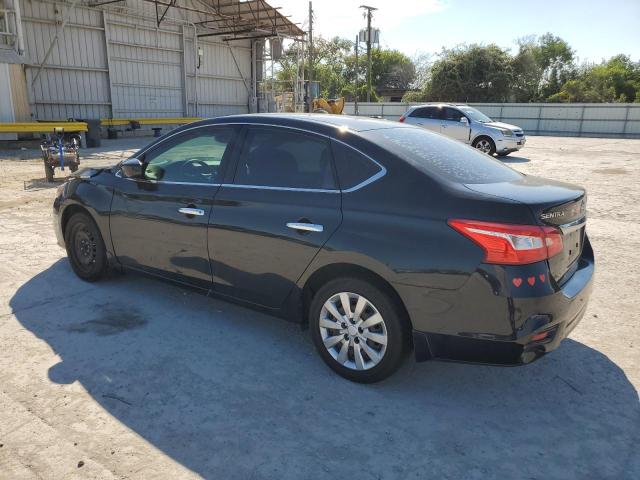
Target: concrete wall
{"type": "Point", "coordinates": [13, 97]}
{"type": "Point", "coordinates": [114, 62]}
{"type": "Point", "coordinates": [576, 119]}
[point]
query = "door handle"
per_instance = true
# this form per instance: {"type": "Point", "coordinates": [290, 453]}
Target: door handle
{"type": "Point", "coordinates": [305, 227]}
{"type": "Point", "coordinates": [191, 211]}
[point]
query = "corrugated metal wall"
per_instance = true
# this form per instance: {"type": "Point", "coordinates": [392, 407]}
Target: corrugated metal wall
{"type": "Point", "coordinates": [116, 63]}
{"type": "Point", "coordinates": [576, 119]}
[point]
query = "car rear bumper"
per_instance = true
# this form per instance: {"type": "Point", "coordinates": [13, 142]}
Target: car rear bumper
{"type": "Point", "coordinates": [538, 324]}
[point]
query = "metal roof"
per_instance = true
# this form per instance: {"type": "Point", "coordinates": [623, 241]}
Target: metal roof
{"type": "Point", "coordinates": [228, 19]}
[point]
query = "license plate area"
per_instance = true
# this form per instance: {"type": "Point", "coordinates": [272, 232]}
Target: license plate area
{"type": "Point", "coordinates": [561, 264]}
{"type": "Point", "coordinates": [572, 245]}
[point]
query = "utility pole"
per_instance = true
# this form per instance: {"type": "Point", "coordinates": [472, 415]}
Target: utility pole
{"type": "Point", "coordinates": [310, 84]}
{"type": "Point", "coordinates": [369, 10]}
{"type": "Point", "coordinates": [355, 106]}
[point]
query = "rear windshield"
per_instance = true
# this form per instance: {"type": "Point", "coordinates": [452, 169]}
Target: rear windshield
{"type": "Point", "coordinates": [447, 158]}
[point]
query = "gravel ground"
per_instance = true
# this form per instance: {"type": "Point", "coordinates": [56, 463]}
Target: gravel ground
{"type": "Point", "coordinates": [135, 378]}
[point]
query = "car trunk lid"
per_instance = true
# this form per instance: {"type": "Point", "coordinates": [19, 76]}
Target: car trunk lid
{"type": "Point", "coordinates": [552, 203]}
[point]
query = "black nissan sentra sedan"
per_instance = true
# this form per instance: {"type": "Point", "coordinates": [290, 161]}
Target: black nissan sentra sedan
{"type": "Point", "coordinates": [382, 237]}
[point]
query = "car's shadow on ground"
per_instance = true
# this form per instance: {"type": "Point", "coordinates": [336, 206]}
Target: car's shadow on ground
{"type": "Point", "coordinates": [42, 183]}
{"type": "Point", "coordinates": [230, 393]}
{"type": "Point", "coordinates": [514, 159]}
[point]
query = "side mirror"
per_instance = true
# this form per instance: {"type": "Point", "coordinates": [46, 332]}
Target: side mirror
{"type": "Point", "coordinates": [132, 168]}
{"type": "Point", "coordinates": [464, 120]}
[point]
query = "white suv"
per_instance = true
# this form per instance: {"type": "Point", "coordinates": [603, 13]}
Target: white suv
{"type": "Point", "coordinates": [468, 125]}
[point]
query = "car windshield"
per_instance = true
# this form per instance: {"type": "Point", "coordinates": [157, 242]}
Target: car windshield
{"type": "Point", "coordinates": [438, 155]}
{"type": "Point", "coordinates": [475, 115]}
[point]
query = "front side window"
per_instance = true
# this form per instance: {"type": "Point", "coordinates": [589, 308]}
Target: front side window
{"type": "Point", "coordinates": [194, 156]}
{"type": "Point", "coordinates": [451, 114]}
{"type": "Point", "coordinates": [280, 157]}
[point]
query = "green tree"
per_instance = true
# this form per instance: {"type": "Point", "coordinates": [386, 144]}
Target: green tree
{"type": "Point", "coordinates": [543, 69]}
{"type": "Point", "coordinates": [334, 67]}
{"type": "Point", "coordinates": [615, 80]}
{"type": "Point", "coordinates": [540, 68]}
{"type": "Point", "coordinates": [391, 69]}
{"type": "Point", "coordinates": [330, 66]}
{"type": "Point", "coordinates": [469, 73]}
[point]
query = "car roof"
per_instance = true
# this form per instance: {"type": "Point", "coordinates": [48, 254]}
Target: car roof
{"type": "Point", "coordinates": [356, 124]}
{"type": "Point", "coordinates": [439, 104]}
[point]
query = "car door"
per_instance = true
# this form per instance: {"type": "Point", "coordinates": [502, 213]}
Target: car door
{"type": "Point", "coordinates": [451, 126]}
{"type": "Point", "coordinates": [271, 219]}
{"type": "Point", "coordinates": [159, 221]}
{"type": "Point", "coordinates": [426, 117]}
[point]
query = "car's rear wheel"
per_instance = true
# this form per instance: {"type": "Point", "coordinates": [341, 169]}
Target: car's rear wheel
{"type": "Point", "coordinates": [485, 145]}
{"type": "Point", "coordinates": [358, 330]}
{"type": "Point", "coordinates": [85, 247]}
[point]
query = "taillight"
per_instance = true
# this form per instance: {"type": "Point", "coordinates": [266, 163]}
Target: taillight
{"type": "Point", "coordinates": [508, 244]}
{"type": "Point", "coordinates": [401, 120]}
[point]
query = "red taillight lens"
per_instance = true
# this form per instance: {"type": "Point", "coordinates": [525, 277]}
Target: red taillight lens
{"type": "Point", "coordinates": [539, 336]}
{"type": "Point", "coordinates": [401, 120]}
{"type": "Point", "coordinates": [508, 244]}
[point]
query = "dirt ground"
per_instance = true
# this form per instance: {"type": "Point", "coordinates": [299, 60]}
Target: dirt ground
{"type": "Point", "coordinates": [134, 378]}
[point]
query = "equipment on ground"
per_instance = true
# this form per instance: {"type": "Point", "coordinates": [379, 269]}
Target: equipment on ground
{"type": "Point", "coordinates": [335, 106]}
{"type": "Point", "coordinates": [58, 151]}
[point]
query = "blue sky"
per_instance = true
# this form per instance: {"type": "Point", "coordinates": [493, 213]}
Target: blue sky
{"type": "Point", "coordinates": [595, 29]}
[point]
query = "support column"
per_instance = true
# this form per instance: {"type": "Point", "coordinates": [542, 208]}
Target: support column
{"type": "Point", "coordinates": [626, 121]}
{"type": "Point", "coordinates": [581, 121]}
{"type": "Point", "coordinates": [105, 24]}
{"type": "Point", "coordinates": [185, 96]}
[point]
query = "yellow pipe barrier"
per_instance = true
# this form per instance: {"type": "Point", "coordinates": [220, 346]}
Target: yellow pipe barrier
{"type": "Point", "coordinates": [42, 127]}
{"type": "Point", "coordinates": [48, 127]}
{"type": "Point", "coordinates": [118, 122]}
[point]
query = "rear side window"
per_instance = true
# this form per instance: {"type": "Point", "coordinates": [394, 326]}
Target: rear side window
{"type": "Point", "coordinates": [278, 157]}
{"type": "Point", "coordinates": [426, 112]}
{"type": "Point", "coordinates": [438, 155]}
{"type": "Point", "coordinates": [353, 167]}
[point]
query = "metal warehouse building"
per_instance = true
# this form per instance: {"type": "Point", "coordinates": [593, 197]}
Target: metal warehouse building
{"type": "Point", "coordinates": [113, 59]}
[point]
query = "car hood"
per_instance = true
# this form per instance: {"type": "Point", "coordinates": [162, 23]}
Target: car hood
{"type": "Point", "coordinates": [88, 172]}
{"type": "Point", "coordinates": [502, 125]}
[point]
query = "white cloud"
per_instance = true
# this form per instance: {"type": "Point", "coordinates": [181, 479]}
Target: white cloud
{"type": "Point", "coordinates": [344, 18]}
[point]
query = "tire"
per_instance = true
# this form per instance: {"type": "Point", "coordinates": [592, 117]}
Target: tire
{"type": "Point", "coordinates": [485, 145]}
{"type": "Point", "coordinates": [48, 172]}
{"type": "Point", "coordinates": [85, 247]}
{"type": "Point", "coordinates": [376, 361]}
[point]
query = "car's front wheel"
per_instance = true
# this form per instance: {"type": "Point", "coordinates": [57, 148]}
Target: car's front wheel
{"type": "Point", "coordinates": [358, 330]}
{"type": "Point", "coordinates": [485, 145]}
{"type": "Point", "coordinates": [85, 247]}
